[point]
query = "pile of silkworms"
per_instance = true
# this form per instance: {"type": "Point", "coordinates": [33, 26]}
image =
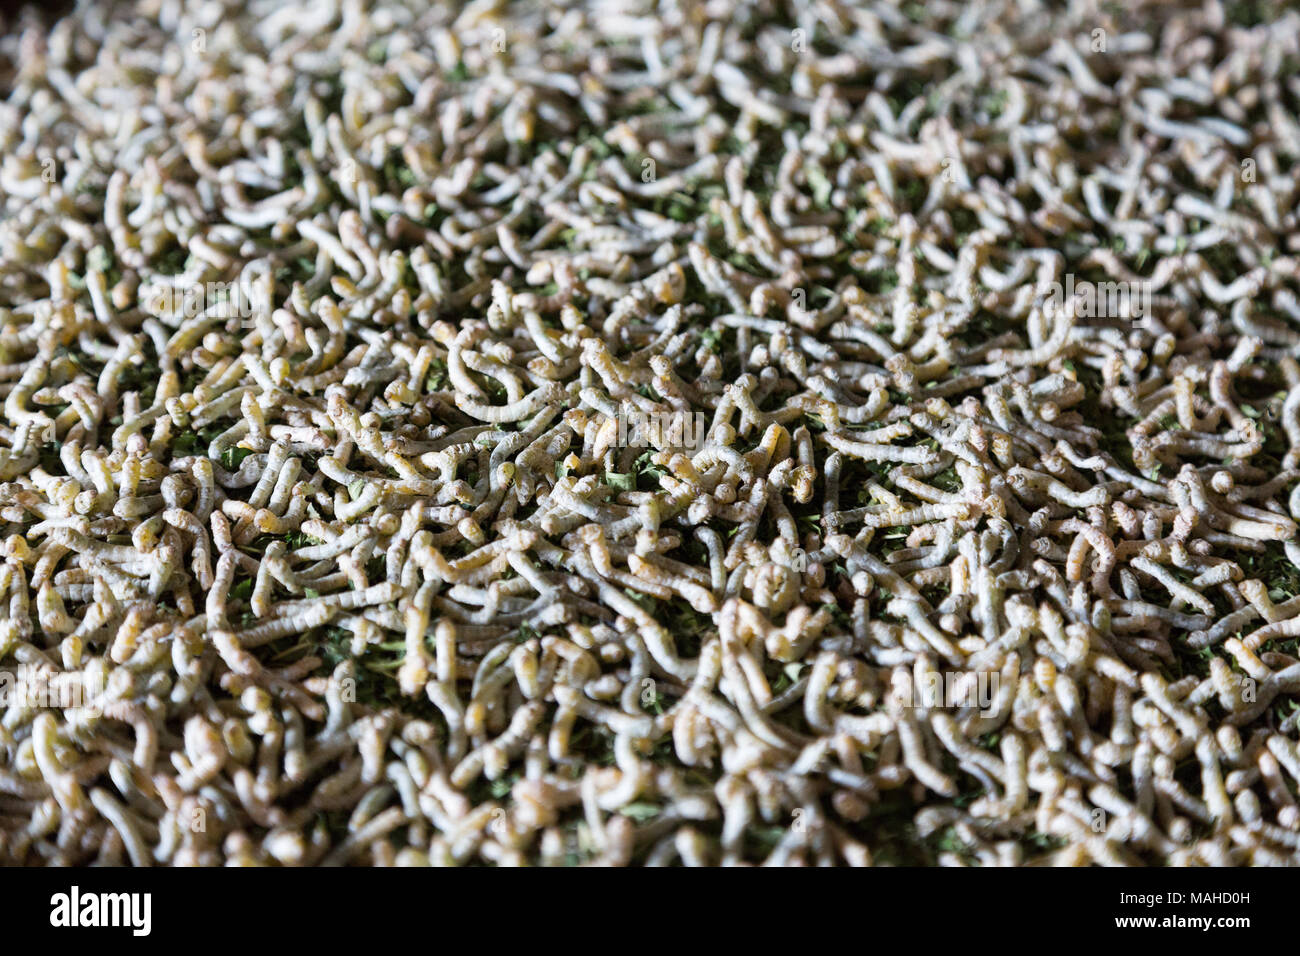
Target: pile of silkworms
{"type": "Point", "coordinates": [328, 332]}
